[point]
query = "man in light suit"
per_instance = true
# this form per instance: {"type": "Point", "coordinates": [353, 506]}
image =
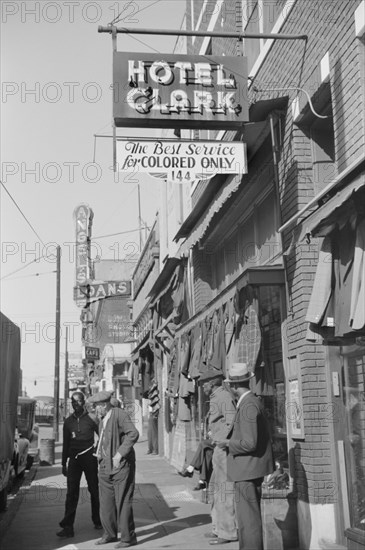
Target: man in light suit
{"type": "Point", "coordinates": [250, 457]}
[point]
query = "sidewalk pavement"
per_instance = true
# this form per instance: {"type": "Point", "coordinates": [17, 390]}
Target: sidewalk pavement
{"type": "Point", "coordinates": [167, 512]}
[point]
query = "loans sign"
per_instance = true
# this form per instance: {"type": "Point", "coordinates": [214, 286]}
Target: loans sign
{"type": "Point", "coordinates": [183, 160]}
{"type": "Point", "coordinates": [97, 291]}
{"type": "Point", "coordinates": [179, 91]}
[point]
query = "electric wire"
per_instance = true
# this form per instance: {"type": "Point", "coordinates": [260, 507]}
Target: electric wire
{"type": "Point", "coordinates": [120, 233]}
{"type": "Point", "coordinates": [27, 265]}
{"type": "Point", "coordinates": [118, 17]}
{"type": "Point", "coordinates": [24, 216]}
{"type": "Point", "coordinates": [33, 275]}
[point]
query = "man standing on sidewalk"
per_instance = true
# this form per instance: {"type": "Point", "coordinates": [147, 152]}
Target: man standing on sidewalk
{"type": "Point", "coordinates": [250, 457]}
{"type": "Point", "coordinates": [78, 448]}
{"type": "Point", "coordinates": [220, 417]}
{"type": "Point", "coordinates": [117, 470]}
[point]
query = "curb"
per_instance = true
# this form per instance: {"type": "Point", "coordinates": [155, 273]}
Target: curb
{"type": "Point", "coordinates": [14, 505]}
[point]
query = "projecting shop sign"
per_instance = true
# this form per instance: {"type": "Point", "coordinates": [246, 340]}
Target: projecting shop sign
{"type": "Point", "coordinates": [83, 216]}
{"type": "Point", "coordinates": [96, 291]}
{"type": "Point", "coordinates": [183, 160]}
{"type": "Point", "coordinates": [179, 91]}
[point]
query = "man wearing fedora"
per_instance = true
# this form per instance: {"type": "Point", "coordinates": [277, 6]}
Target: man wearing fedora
{"type": "Point", "coordinates": [250, 456]}
{"type": "Point", "coordinates": [220, 417]}
{"type": "Point", "coordinates": [117, 469]}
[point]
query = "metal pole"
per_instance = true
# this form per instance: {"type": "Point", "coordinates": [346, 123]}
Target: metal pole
{"type": "Point", "coordinates": [66, 375]}
{"type": "Point", "coordinates": [238, 35]}
{"type": "Point", "coordinates": [114, 46]}
{"type": "Point", "coordinates": [139, 219]}
{"type": "Point", "coordinates": [56, 413]}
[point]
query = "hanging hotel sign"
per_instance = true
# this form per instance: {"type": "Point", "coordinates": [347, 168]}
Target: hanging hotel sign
{"type": "Point", "coordinates": [179, 91]}
{"type": "Point", "coordinates": [83, 216]}
{"type": "Point", "coordinates": [183, 160]}
{"type": "Point", "coordinates": [97, 291]}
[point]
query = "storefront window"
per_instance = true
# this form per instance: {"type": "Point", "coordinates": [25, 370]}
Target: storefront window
{"type": "Point", "coordinates": [354, 400]}
{"type": "Point", "coordinates": [270, 372]}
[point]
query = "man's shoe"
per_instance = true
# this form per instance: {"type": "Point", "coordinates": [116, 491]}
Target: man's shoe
{"type": "Point", "coordinates": [149, 453]}
{"type": "Point", "coordinates": [123, 544]}
{"type": "Point", "coordinates": [218, 540]}
{"type": "Point", "coordinates": [98, 526]}
{"type": "Point", "coordinates": [200, 486]}
{"type": "Point", "coordinates": [105, 540]}
{"type": "Point", "coordinates": [66, 533]}
{"type": "Point", "coordinates": [210, 535]}
{"type": "Point", "coordinates": [185, 473]}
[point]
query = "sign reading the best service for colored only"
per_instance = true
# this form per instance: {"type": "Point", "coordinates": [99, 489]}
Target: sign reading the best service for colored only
{"type": "Point", "coordinates": [179, 91]}
{"type": "Point", "coordinates": [184, 160]}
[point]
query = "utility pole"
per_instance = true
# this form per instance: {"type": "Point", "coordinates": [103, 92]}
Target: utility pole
{"type": "Point", "coordinates": [56, 414]}
{"type": "Point", "coordinates": [65, 398]}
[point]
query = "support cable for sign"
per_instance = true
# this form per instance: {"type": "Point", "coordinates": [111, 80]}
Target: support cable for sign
{"type": "Point", "coordinates": [181, 32]}
{"type": "Point", "coordinates": [291, 88]}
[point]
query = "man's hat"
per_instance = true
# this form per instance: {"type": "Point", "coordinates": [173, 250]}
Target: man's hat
{"type": "Point", "coordinates": [100, 397]}
{"type": "Point", "coordinates": [209, 374]}
{"type": "Point", "coordinates": [239, 373]}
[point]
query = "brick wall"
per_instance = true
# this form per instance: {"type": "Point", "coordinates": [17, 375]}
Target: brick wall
{"type": "Point", "coordinates": [330, 28]}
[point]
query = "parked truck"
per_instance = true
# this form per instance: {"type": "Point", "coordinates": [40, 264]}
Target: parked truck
{"type": "Point", "coordinates": [9, 390]}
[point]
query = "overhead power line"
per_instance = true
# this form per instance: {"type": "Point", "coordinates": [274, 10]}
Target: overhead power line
{"type": "Point", "coordinates": [27, 265]}
{"type": "Point", "coordinates": [118, 17]}
{"type": "Point", "coordinates": [33, 275]}
{"type": "Point", "coordinates": [120, 233]}
{"type": "Point", "coordinates": [24, 216]}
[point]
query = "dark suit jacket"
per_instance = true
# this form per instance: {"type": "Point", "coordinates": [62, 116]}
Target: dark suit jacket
{"type": "Point", "coordinates": [250, 451]}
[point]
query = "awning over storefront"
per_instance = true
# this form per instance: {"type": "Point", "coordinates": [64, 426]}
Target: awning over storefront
{"type": "Point", "coordinates": [164, 280]}
{"type": "Point", "coordinates": [322, 221]}
{"type": "Point", "coordinates": [118, 353]}
{"type": "Point", "coordinates": [221, 188]}
{"type": "Point", "coordinates": [352, 175]}
{"type": "Point", "coordinates": [141, 345]}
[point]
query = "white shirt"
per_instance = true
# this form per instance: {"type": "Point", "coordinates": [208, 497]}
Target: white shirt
{"type": "Point", "coordinates": [104, 421]}
{"type": "Point", "coordinates": [242, 398]}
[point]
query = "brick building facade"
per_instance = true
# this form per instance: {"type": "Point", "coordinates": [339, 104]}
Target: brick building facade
{"type": "Point", "coordinates": [271, 264]}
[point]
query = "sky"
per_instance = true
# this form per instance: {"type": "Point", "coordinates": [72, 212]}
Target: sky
{"type": "Point", "coordinates": [56, 73]}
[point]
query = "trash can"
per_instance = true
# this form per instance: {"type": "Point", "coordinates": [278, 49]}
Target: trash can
{"type": "Point", "coordinates": [47, 452]}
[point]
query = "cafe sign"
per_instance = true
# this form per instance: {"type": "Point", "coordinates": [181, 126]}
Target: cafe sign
{"type": "Point", "coordinates": [184, 160]}
{"type": "Point", "coordinates": [179, 91]}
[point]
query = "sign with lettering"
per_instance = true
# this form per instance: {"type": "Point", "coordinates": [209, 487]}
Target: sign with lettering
{"type": "Point", "coordinates": [83, 216]}
{"type": "Point", "coordinates": [92, 353]}
{"type": "Point", "coordinates": [184, 160]}
{"type": "Point", "coordinates": [179, 91]}
{"type": "Point", "coordinates": [96, 291]}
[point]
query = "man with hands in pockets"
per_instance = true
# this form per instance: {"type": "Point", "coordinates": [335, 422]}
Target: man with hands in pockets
{"type": "Point", "coordinates": [117, 469]}
{"type": "Point", "coordinates": [250, 456]}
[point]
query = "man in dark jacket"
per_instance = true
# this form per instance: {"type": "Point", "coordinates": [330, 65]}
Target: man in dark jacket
{"type": "Point", "coordinates": [117, 470]}
{"type": "Point", "coordinates": [250, 457]}
{"type": "Point", "coordinates": [78, 448]}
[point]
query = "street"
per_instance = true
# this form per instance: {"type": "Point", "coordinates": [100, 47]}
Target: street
{"type": "Point", "coordinates": [167, 512]}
